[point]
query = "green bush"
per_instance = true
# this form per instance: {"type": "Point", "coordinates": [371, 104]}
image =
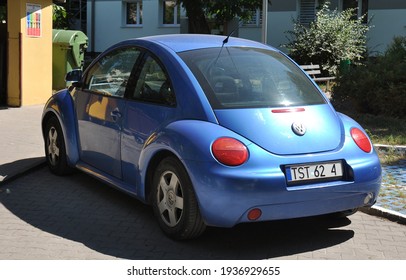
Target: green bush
{"type": "Point", "coordinates": [333, 37]}
{"type": "Point", "coordinates": [378, 87]}
{"type": "Point", "coordinates": [59, 17]}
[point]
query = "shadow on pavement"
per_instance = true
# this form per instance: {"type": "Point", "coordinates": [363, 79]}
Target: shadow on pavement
{"type": "Point", "coordinates": [9, 171]}
{"type": "Point", "coordinates": [82, 209]}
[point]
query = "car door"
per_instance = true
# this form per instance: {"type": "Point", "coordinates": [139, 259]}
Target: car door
{"type": "Point", "coordinates": [99, 109]}
{"type": "Point", "coordinates": [151, 105]}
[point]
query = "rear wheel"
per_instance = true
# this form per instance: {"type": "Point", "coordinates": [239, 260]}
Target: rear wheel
{"type": "Point", "coordinates": [174, 201]}
{"type": "Point", "coordinates": [55, 150]}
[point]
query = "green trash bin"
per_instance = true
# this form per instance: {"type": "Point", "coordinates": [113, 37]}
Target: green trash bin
{"type": "Point", "coordinates": [345, 66]}
{"type": "Point", "coordinates": [68, 53]}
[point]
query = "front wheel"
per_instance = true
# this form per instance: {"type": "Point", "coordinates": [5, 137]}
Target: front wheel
{"type": "Point", "coordinates": [174, 201]}
{"type": "Point", "coordinates": [55, 150]}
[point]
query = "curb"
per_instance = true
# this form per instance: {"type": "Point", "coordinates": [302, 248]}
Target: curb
{"type": "Point", "coordinates": [399, 149]}
{"type": "Point", "coordinates": [385, 213]}
{"type": "Point", "coordinates": [20, 170]}
{"type": "Point", "coordinates": [380, 211]}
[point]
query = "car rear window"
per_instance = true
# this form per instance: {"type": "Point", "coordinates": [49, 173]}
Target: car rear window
{"type": "Point", "coordinates": [239, 77]}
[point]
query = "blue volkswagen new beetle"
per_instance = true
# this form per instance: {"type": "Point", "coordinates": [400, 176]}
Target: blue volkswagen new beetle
{"type": "Point", "coordinates": [210, 131]}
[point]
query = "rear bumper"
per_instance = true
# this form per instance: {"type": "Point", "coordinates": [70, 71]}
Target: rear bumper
{"type": "Point", "coordinates": [226, 195]}
{"type": "Point", "coordinates": [330, 204]}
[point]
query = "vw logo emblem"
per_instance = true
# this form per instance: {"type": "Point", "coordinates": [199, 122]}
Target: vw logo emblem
{"type": "Point", "coordinates": [298, 128]}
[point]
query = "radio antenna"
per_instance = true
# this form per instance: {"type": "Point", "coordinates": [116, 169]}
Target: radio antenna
{"type": "Point", "coordinates": [225, 41]}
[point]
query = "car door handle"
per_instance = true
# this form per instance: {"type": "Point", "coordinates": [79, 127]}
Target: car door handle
{"type": "Point", "coordinates": [115, 114]}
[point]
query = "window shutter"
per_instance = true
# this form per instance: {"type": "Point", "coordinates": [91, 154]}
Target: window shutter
{"type": "Point", "coordinates": [307, 11]}
{"type": "Point", "coordinates": [256, 18]}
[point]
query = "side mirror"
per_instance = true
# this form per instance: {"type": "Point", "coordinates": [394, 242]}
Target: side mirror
{"type": "Point", "coordinates": [73, 77]}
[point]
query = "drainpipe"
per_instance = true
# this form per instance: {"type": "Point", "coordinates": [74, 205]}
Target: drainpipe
{"type": "Point", "coordinates": [265, 21]}
{"type": "Point", "coordinates": [92, 28]}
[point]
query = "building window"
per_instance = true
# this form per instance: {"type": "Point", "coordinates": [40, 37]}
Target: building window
{"type": "Point", "coordinates": [364, 10]}
{"type": "Point", "coordinates": [350, 4]}
{"type": "Point", "coordinates": [133, 12]}
{"type": "Point", "coordinates": [307, 11]}
{"type": "Point", "coordinates": [171, 13]}
{"type": "Point", "coordinates": [255, 18]}
{"type": "Point", "coordinates": [361, 7]}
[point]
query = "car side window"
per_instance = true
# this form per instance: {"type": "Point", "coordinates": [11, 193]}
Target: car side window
{"type": "Point", "coordinates": [153, 84]}
{"type": "Point", "coordinates": [110, 75]}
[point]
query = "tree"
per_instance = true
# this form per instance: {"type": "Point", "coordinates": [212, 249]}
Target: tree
{"type": "Point", "coordinates": [221, 11]}
{"type": "Point", "coordinates": [59, 17]}
{"type": "Point", "coordinates": [334, 36]}
{"type": "Point", "coordinates": [3, 13]}
{"type": "Point", "coordinates": [378, 86]}
{"type": "Point", "coordinates": [197, 18]}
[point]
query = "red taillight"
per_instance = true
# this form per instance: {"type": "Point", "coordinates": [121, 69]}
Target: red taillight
{"type": "Point", "coordinates": [254, 214]}
{"type": "Point", "coordinates": [361, 140]}
{"type": "Point", "coordinates": [229, 151]}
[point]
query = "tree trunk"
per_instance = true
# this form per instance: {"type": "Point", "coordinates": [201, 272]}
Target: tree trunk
{"type": "Point", "coordinates": [197, 19]}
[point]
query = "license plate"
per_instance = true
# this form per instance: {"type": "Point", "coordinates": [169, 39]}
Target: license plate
{"type": "Point", "coordinates": [314, 171]}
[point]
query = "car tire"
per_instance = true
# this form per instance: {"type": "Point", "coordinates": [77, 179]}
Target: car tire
{"type": "Point", "coordinates": [55, 150]}
{"type": "Point", "coordinates": [174, 202]}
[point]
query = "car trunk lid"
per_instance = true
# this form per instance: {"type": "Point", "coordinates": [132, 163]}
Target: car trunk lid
{"type": "Point", "coordinates": [286, 131]}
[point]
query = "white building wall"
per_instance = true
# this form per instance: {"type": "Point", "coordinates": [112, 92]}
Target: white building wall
{"type": "Point", "coordinates": [109, 23]}
{"type": "Point", "coordinates": [278, 24]}
{"type": "Point", "coordinates": [109, 26]}
{"type": "Point", "coordinates": [387, 24]}
{"type": "Point", "coordinates": [379, 36]}
{"type": "Point", "coordinates": [250, 33]}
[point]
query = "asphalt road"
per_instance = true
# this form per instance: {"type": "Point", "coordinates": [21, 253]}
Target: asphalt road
{"type": "Point", "coordinates": [47, 217]}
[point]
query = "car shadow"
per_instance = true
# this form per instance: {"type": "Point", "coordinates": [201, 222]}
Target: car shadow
{"type": "Point", "coordinates": [11, 170]}
{"type": "Point", "coordinates": [82, 209]}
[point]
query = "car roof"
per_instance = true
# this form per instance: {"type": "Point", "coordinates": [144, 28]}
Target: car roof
{"type": "Point", "coordinates": [187, 42]}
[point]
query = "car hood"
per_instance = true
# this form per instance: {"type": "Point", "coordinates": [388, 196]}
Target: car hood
{"type": "Point", "coordinates": [272, 129]}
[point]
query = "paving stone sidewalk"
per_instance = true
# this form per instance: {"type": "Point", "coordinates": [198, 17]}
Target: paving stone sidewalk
{"type": "Point", "coordinates": [21, 144]}
{"type": "Point", "coordinates": [76, 217]}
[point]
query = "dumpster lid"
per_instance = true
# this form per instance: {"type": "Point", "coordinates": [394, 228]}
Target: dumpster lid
{"type": "Point", "coordinates": [68, 37]}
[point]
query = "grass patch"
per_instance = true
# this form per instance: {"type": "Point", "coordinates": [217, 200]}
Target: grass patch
{"type": "Point", "coordinates": [381, 129]}
{"type": "Point", "coordinates": [389, 158]}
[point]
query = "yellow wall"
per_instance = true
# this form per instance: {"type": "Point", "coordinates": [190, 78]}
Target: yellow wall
{"type": "Point", "coordinates": [30, 58]}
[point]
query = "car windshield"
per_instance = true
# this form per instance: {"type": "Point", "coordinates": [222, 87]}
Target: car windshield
{"type": "Point", "coordinates": [242, 77]}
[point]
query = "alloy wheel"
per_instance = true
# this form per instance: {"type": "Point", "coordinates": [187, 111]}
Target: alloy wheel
{"type": "Point", "coordinates": [53, 149]}
{"type": "Point", "coordinates": [170, 198]}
